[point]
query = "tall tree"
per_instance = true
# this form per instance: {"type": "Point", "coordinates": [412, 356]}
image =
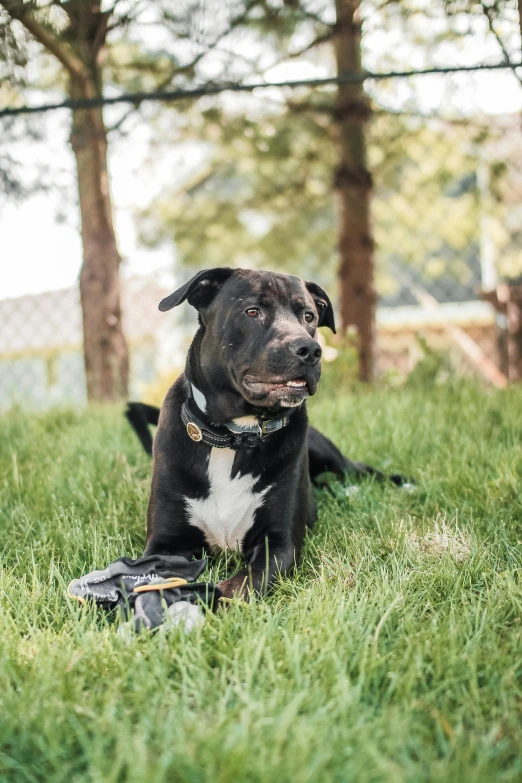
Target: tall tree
{"type": "Point", "coordinates": [79, 36]}
{"type": "Point", "coordinates": [337, 129]}
{"type": "Point", "coordinates": [266, 195]}
{"type": "Point", "coordinates": [354, 187]}
{"type": "Point", "coordinates": [282, 165]}
{"type": "Point", "coordinates": [78, 44]}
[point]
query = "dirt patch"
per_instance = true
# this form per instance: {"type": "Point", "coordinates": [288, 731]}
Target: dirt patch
{"type": "Point", "coordinates": [442, 540]}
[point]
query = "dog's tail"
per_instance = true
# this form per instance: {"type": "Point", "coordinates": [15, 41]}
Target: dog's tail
{"type": "Point", "coordinates": [140, 416]}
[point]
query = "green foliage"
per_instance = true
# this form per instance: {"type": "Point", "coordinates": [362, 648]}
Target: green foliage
{"type": "Point", "coordinates": [341, 374]}
{"type": "Point", "coordinates": [426, 209]}
{"type": "Point", "coordinates": [130, 47]}
{"type": "Point", "coordinates": [13, 55]}
{"type": "Point", "coordinates": [393, 654]}
{"type": "Point", "coordinates": [263, 201]}
{"type": "Point", "coordinates": [265, 198]}
{"type": "Point", "coordinates": [431, 368]}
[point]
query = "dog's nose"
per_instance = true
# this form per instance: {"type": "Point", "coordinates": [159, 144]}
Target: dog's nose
{"type": "Point", "coordinates": [309, 351]}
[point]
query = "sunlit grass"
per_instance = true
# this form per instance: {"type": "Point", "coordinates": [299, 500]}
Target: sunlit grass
{"type": "Point", "coordinates": [393, 654]}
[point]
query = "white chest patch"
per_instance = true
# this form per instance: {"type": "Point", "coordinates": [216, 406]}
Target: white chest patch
{"type": "Point", "coordinates": [228, 512]}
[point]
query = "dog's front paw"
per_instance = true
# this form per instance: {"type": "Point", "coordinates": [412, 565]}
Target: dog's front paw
{"type": "Point", "coordinates": [235, 587]}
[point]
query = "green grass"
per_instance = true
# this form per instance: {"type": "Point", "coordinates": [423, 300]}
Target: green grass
{"type": "Point", "coordinates": [393, 654]}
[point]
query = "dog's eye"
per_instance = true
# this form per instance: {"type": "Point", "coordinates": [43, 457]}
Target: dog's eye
{"type": "Point", "coordinates": [309, 317]}
{"type": "Point", "coordinates": [253, 312]}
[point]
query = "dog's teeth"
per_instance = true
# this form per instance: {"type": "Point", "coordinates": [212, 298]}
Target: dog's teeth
{"type": "Point", "coordinates": [297, 384]}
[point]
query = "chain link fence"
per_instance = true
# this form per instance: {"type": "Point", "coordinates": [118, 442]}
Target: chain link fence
{"type": "Point", "coordinates": [41, 351]}
{"type": "Point", "coordinates": [448, 198]}
{"type": "Point", "coordinates": [447, 208]}
{"type": "Point", "coordinates": [448, 222]}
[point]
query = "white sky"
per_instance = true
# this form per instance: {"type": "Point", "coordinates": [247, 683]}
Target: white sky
{"type": "Point", "coordinates": [39, 252]}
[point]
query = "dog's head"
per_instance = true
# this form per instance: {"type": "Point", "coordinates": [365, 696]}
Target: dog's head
{"type": "Point", "coordinates": [258, 333]}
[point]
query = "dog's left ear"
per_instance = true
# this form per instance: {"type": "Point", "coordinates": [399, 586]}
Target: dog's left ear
{"type": "Point", "coordinates": [323, 304]}
{"type": "Point", "coordinates": [200, 290]}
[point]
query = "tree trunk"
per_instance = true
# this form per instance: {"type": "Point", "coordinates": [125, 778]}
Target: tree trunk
{"type": "Point", "coordinates": [354, 187]}
{"type": "Point", "coordinates": [105, 349]}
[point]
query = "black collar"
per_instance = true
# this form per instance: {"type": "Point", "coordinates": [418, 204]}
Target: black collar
{"type": "Point", "coordinates": [230, 435]}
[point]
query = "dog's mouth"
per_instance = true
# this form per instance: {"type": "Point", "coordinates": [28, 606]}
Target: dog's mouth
{"type": "Point", "coordinates": [292, 391]}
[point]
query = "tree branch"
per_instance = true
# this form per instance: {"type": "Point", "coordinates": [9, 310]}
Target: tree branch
{"type": "Point", "coordinates": [489, 16]}
{"type": "Point", "coordinates": [315, 17]}
{"type": "Point", "coordinates": [234, 23]}
{"type": "Point", "coordinates": [20, 11]}
{"type": "Point", "coordinates": [130, 16]}
{"type": "Point", "coordinates": [123, 119]}
{"type": "Point", "coordinates": [320, 39]}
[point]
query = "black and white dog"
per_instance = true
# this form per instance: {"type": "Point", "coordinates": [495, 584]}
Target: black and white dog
{"type": "Point", "coordinates": [233, 454]}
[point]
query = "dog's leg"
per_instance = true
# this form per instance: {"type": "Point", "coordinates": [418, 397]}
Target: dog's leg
{"type": "Point", "coordinates": [325, 457]}
{"type": "Point", "coordinates": [168, 530]}
{"type": "Point", "coordinates": [182, 545]}
{"type": "Point", "coordinates": [140, 416]}
{"type": "Point", "coordinates": [269, 560]}
{"type": "Point", "coordinates": [168, 534]}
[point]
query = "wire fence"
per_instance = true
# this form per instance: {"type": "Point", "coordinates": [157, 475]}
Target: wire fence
{"type": "Point", "coordinates": [449, 237]}
{"type": "Point", "coordinates": [447, 212]}
{"type": "Point", "coordinates": [170, 96]}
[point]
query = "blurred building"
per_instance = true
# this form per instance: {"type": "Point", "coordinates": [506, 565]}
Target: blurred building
{"type": "Point", "coordinates": [41, 355]}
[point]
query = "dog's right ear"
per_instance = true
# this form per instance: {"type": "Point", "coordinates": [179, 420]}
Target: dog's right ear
{"type": "Point", "coordinates": [199, 291]}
